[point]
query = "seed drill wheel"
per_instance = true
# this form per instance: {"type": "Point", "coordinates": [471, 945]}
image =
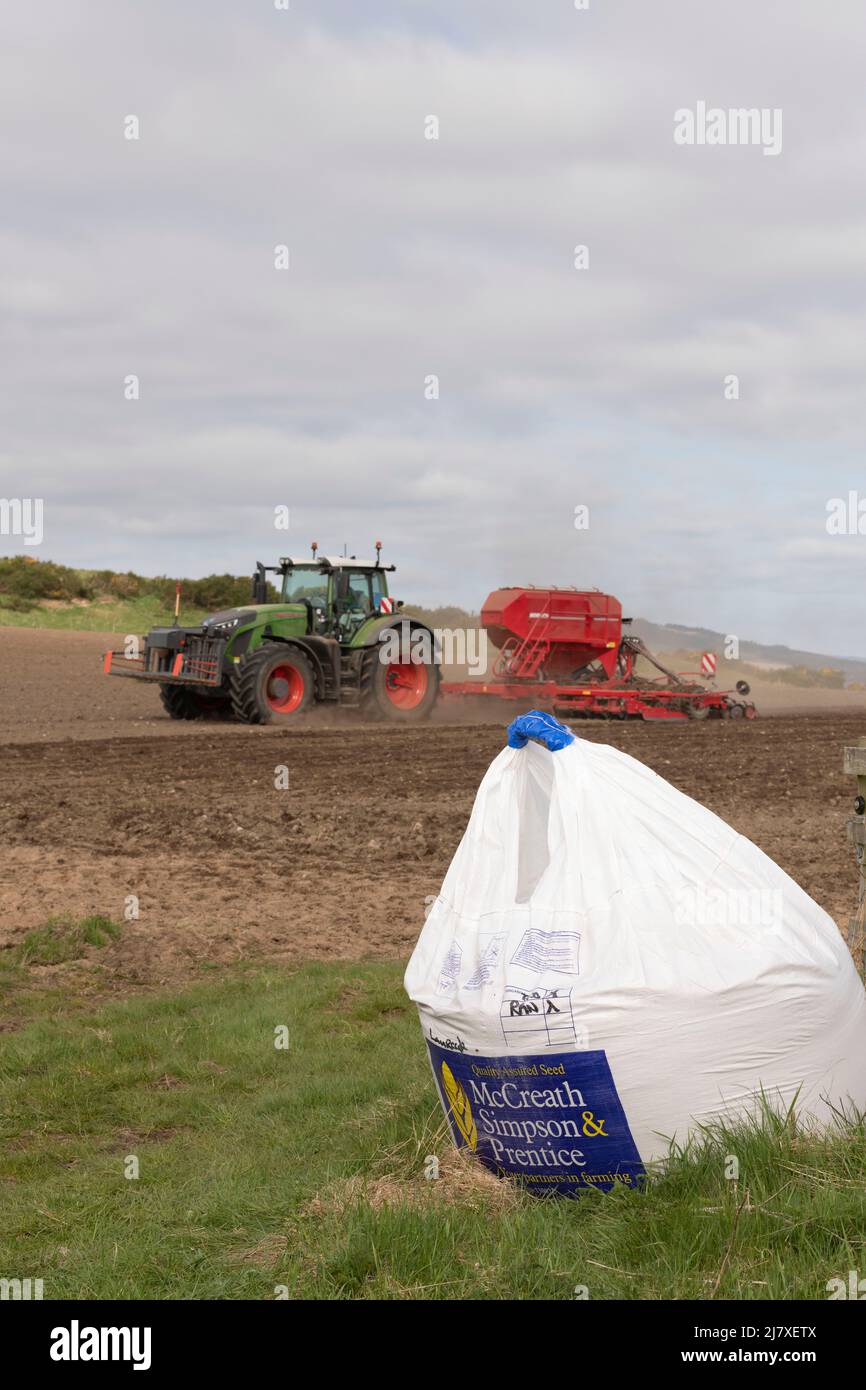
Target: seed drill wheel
{"type": "Point", "coordinates": [182, 703]}
{"type": "Point", "coordinates": [273, 683]}
{"type": "Point", "coordinates": [403, 692]}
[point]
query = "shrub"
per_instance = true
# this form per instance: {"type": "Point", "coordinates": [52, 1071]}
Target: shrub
{"type": "Point", "coordinates": [25, 578]}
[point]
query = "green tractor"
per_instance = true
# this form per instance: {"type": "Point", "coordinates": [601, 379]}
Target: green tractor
{"type": "Point", "coordinates": [335, 636]}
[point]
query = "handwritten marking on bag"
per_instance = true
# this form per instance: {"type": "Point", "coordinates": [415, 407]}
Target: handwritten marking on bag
{"type": "Point", "coordinates": [452, 1044]}
{"type": "Point", "coordinates": [537, 1017]}
{"type": "Point", "coordinates": [486, 967]}
{"type": "Point", "coordinates": [549, 950]}
{"type": "Point", "coordinates": [450, 969]}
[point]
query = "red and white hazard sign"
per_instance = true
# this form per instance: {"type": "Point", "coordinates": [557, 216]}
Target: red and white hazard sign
{"type": "Point", "coordinates": [708, 664]}
{"type": "Point", "coordinates": [386, 604]}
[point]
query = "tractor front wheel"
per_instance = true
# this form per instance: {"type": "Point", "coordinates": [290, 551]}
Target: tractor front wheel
{"type": "Point", "coordinates": [273, 683]}
{"type": "Point", "coordinates": [180, 702]}
{"type": "Point", "coordinates": [401, 691]}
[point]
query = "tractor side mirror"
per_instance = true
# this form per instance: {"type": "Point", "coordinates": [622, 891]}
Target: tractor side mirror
{"type": "Point", "coordinates": [260, 584]}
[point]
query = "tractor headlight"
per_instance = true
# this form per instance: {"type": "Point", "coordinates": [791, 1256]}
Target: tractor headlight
{"type": "Point", "coordinates": [223, 627]}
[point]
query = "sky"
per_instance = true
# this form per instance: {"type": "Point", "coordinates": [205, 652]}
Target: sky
{"type": "Point", "coordinates": [605, 387]}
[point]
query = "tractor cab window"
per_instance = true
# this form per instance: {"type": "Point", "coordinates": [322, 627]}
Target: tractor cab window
{"type": "Point", "coordinates": [354, 592]}
{"type": "Point", "coordinates": [378, 587]}
{"type": "Point", "coordinates": [358, 591]}
{"type": "Point", "coordinates": [306, 582]}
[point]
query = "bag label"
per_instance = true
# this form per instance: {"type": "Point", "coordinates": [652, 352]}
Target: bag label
{"type": "Point", "coordinates": [536, 1017]}
{"type": "Point", "coordinates": [553, 1123]}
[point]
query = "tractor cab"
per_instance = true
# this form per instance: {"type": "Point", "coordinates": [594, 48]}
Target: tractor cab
{"type": "Point", "coordinates": [359, 595]}
{"type": "Point", "coordinates": [340, 592]}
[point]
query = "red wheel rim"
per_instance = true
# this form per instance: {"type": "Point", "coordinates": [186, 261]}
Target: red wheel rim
{"type": "Point", "coordinates": [285, 688]}
{"type": "Point", "coordinates": [406, 684]}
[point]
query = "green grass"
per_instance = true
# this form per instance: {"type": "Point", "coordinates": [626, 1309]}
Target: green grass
{"type": "Point", "coordinates": [139, 615]}
{"type": "Point", "coordinates": [303, 1167]}
{"type": "Point", "coordinates": [65, 938]}
{"type": "Point", "coordinates": [127, 616]}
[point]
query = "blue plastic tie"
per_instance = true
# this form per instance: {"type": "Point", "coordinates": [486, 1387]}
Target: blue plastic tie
{"type": "Point", "coordinates": [537, 724]}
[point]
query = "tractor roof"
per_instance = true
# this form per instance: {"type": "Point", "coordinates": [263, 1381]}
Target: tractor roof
{"type": "Point", "coordinates": [332, 562]}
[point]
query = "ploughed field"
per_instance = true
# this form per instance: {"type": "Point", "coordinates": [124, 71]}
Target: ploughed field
{"type": "Point", "coordinates": [227, 866]}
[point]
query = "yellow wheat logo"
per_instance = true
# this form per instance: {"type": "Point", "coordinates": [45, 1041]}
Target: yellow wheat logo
{"type": "Point", "coordinates": [460, 1107]}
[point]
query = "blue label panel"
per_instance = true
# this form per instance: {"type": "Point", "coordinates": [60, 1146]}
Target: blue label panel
{"type": "Point", "coordinates": [554, 1123]}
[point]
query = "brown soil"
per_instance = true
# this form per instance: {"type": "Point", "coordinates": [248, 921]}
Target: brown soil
{"type": "Point", "coordinates": [96, 803]}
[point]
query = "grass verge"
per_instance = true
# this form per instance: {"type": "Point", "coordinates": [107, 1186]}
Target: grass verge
{"type": "Point", "coordinates": [135, 616]}
{"type": "Point", "coordinates": [302, 1168]}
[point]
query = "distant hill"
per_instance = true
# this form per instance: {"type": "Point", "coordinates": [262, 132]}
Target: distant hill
{"type": "Point", "coordinates": [665, 637]}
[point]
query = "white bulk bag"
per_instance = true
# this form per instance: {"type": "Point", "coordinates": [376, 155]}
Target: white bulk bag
{"type": "Point", "coordinates": [609, 964]}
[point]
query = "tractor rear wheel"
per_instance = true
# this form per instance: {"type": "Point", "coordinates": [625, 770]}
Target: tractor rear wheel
{"type": "Point", "coordinates": [180, 702]}
{"type": "Point", "coordinates": [275, 682]}
{"type": "Point", "coordinates": [403, 692]}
